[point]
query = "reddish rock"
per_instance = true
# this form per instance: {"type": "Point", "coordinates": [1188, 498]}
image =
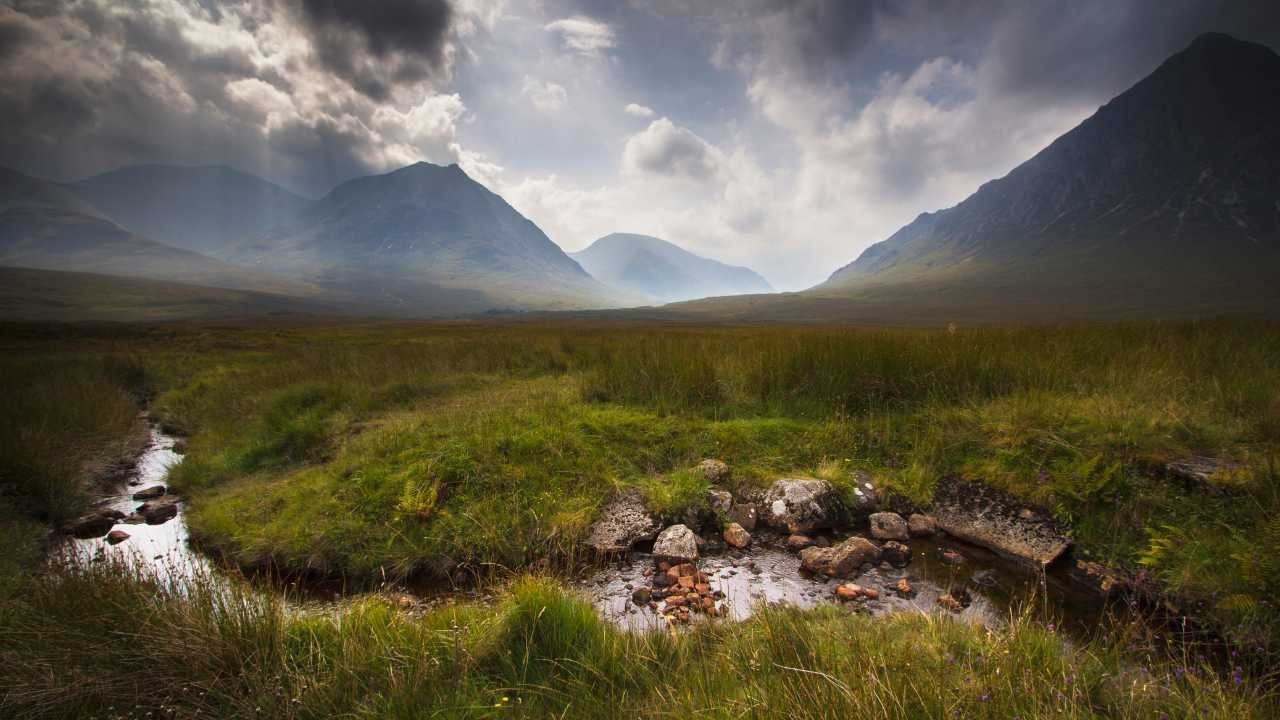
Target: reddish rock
{"type": "Point", "coordinates": [842, 560]}
{"type": "Point", "coordinates": [736, 536]}
{"type": "Point", "coordinates": [903, 588]}
{"type": "Point", "coordinates": [115, 537]}
{"type": "Point", "coordinates": [849, 591]}
{"type": "Point", "coordinates": [922, 525]}
{"type": "Point", "coordinates": [798, 542]}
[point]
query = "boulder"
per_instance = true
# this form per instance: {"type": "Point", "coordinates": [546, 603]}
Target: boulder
{"type": "Point", "coordinates": [744, 514]}
{"type": "Point", "coordinates": [997, 521]}
{"type": "Point", "coordinates": [1205, 473]}
{"type": "Point", "coordinates": [922, 525]}
{"type": "Point", "coordinates": [720, 501]}
{"type": "Point", "coordinates": [715, 471]}
{"type": "Point", "coordinates": [150, 493]}
{"type": "Point", "coordinates": [115, 537]}
{"type": "Point", "coordinates": [865, 497]}
{"type": "Point", "coordinates": [842, 560]}
{"type": "Point", "coordinates": [736, 536]}
{"type": "Point", "coordinates": [623, 522]}
{"type": "Point", "coordinates": [798, 542]}
{"type": "Point", "coordinates": [159, 510]}
{"type": "Point", "coordinates": [676, 544]}
{"type": "Point", "coordinates": [895, 553]}
{"type": "Point", "coordinates": [888, 526]}
{"type": "Point", "coordinates": [802, 505]}
{"type": "Point", "coordinates": [93, 525]}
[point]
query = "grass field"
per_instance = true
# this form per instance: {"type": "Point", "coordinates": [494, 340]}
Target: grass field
{"type": "Point", "coordinates": [388, 450]}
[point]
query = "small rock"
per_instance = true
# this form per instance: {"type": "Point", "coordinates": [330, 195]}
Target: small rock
{"type": "Point", "coordinates": [949, 603]}
{"type": "Point", "coordinates": [849, 591]}
{"type": "Point", "coordinates": [736, 536]}
{"type": "Point", "coordinates": [822, 541]}
{"type": "Point", "coordinates": [903, 588]}
{"type": "Point", "coordinates": [715, 471]}
{"type": "Point", "coordinates": [676, 572]}
{"type": "Point", "coordinates": [641, 596]}
{"type": "Point", "coordinates": [720, 501]}
{"type": "Point", "coordinates": [159, 510]}
{"type": "Point", "coordinates": [889, 526]}
{"type": "Point", "coordinates": [675, 601]}
{"type": "Point", "coordinates": [951, 557]}
{"type": "Point", "coordinates": [92, 525]}
{"type": "Point", "coordinates": [677, 544]}
{"type": "Point", "coordinates": [922, 525]}
{"type": "Point", "coordinates": [150, 493]}
{"type": "Point", "coordinates": [841, 560]}
{"type": "Point", "coordinates": [895, 553]}
{"type": "Point", "coordinates": [115, 537]}
{"type": "Point", "coordinates": [685, 582]}
{"type": "Point", "coordinates": [744, 514]}
{"type": "Point", "coordinates": [871, 593]}
{"type": "Point", "coordinates": [798, 542]}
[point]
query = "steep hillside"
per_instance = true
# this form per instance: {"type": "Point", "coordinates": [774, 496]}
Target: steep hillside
{"type": "Point", "coordinates": [209, 209]}
{"type": "Point", "coordinates": [662, 271]}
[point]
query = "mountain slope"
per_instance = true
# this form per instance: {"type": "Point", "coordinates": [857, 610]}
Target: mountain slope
{"type": "Point", "coordinates": [428, 237]}
{"type": "Point", "coordinates": [209, 209]}
{"type": "Point", "coordinates": [1167, 198]}
{"type": "Point", "coordinates": [665, 272]}
{"type": "Point", "coordinates": [44, 226]}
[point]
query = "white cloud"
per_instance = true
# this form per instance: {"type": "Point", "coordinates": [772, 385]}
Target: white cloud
{"type": "Point", "coordinates": [638, 110]}
{"type": "Point", "coordinates": [584, 35]}
{"type": "Point", "coordinates": [665, 148]}
{"type": "Point", "coordinates": [546, 96]}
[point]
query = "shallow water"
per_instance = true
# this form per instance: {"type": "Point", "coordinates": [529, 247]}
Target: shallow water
{"type": "Point", "coordinates": [767, 573]}
{"type": "Point", "coordinates": [164, 548]}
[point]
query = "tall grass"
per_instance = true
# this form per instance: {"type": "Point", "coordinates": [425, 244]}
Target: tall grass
{"type": "Point", "coordinates": [100, 642]}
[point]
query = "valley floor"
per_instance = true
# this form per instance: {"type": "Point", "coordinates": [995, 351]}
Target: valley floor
{"type": "Point", "coordinates": [372, 453]}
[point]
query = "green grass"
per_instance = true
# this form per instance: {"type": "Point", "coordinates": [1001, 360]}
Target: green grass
{"type": "Point", "coordinates": [382, 450]}
{"type": "Point", "coordinates": [101, 642]}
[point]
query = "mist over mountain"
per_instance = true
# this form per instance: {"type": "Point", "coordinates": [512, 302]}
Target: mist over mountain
{"type": "Point", "coordinates": [209, 209]}
{"type": "Point", "coordinates": [1169, 194]}
{"type": "Point", "coordinates": [424, 235]}
{"type": "Point", "coordinates": [663, 271]}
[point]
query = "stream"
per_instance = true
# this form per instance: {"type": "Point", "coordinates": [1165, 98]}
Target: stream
{"type": "Point", "coordinates": [764, 573]}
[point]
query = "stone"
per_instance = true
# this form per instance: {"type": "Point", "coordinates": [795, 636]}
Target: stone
{"type": "Point", "coordinates": [848, 591]}
{"type": "Point", "coordinates": [703, 588]}
{"type": "Point", "coordinates": [889, 526]}
{"type": "Point", "coordinates": [842, 560]}
{"type": "Point", "coordinates": [623, 522]}
{"type": "Point", "coordinates": [720, 501]}
{"type": "Point", "coordinates": [951, 557]}
{"type": "Point", "coordinates": [798, 542]}
{"type": "Point", "coordinates": [93, 525]}
{"type": "Point", "coordinates": [1099, 578]}
{"type": "Point", "coordinates": [675, 601]}
{"type": "Point", "coordinates": [677, 544]}
{"type": "Point", "coordinates": [685, 582]}
{"type": "Point", "coordinates": [903, 588]}
{"type": "Point", "coordinates": [159, 510]}
{"type": "Point", "coordinates": [871, 593]}
{"type": "Point", "coordinates": [865, 497]}
{"type": "Point", "coordinates": [895, 553]}
{"type": "Point", "coordinates": [922, 525]}
{"type": "Point", "coordinates": [744, 514]}
{"type": "Point", "coordinates": [949, 603]}
{"type": "Point", "coordinates": [150, 493]}
{"type": "Point", "coordinates": [715, 471]}
{"type": "Point", "coordinates": [676, 572]}
{"type": "Point", "coordinates": [993, 519]}
{"type": "Point", "coordinates": [822, 541]}
{"type": "Point", "coordinates": [802, 505]}
{"type": "Point", "coordinates": [115, 537]}
{"type": "Point", "coordinates": [1206, 473]}
{"type": "Point", "coordinates": [736, 536]}
{"type": "Point", "coordinates": [641, 596]}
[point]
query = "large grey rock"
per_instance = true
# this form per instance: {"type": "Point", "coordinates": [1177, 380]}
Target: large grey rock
{"type": "Point", "coordinates": [865, 498]}
{"type": "Point", "coordinates": [1205, 473]}
{"type": "Point", "coordinates": [802, 505]}
{"type": "Point", "coordinates": [676, 544]}
{"type": "Point", "coordinates": [622, 523]}
{"type": "Point", "coordinates": [889, 526]}
{"type": "Point", "coordinates": [998, 521]}
{"type": "Point", "coordinates": [841, 560]}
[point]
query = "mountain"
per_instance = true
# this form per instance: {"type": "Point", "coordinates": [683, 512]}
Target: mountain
{"type": "Point", "coordinates": [430, 239]}
{"type": "Point", "coordinates": [45, 225]}
{"type": "Point", "coordinates": [209, 209]}
{"type": "Point", "coordinates": [1166, 201]}
{"type": "Point", "coordinates": [57, 296]}
{"type": "Point", "coordinates": [662, 271]}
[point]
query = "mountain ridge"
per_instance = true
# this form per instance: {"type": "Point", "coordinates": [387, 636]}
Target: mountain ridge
{"type": "Point", "coordinates": [664, 271]}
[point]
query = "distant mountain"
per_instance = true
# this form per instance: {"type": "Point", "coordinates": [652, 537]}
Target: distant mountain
{"type": "Point", "coordinates": [45, 226]}
{"type": "Point", "coordinates": [427, 237]}
{"type": "Point", "coordinates": [1165, 201]}
{"type": "Point", "coordinates": [662, 271]}
{"type": "Point", "coordinates": [209, 209]}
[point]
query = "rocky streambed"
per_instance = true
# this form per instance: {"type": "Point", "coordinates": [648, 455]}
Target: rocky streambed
{"type": "Point", "coordinates": [977, 555]}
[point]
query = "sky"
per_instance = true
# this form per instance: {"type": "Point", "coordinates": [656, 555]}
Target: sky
{"type": "Point", "coordinates": [785, 136]}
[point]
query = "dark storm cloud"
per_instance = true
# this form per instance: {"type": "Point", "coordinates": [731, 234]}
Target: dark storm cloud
{"type": "Point", "coordinates": [378, 45]}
